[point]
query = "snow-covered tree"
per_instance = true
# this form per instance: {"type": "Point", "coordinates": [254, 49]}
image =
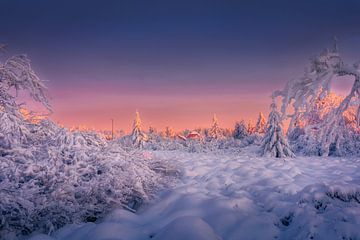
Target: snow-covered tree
{"type": "Point", "coordinates": [321, 108]}
{"type": "Point", "coordinates": [274, 143]}
{"type": "Point", "coordinates": [260, 124]}
{"type": "Point", "coordinates": [240, 130]}
{"type": "Point", "coordinates": [316, 115]}
{"type": "Point", "coordinates": [227, 132]}
{"type": "Point", "coordinates": [296, 131]}
{"type": "Point", "coordinates": [169, 132]}
{"type": "Point", "coordinates": [16, 74]}
{"type": "Point", "coordinates": [251, 127]}
{"type": "Point", "coordinates": [138, 137]}
{"type": "Point", "coordinates": [152, 130]}
{"type": "Point", "coordinates": [215, 131]}
{"type": "Point", "coordinates": [301, 94]}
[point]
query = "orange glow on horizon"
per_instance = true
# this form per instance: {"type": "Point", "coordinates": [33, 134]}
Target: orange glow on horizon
{"type": "Point", "coordinates": [158, 111]}
{"type": "Point", "coordinates": [93, 110]}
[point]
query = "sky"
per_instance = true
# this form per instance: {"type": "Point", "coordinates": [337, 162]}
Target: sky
{"type": "Point", "coordinates": [177, 62]}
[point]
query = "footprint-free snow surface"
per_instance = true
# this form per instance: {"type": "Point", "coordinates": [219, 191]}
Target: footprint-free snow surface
{"type": "Point", "coordinates": [240, 196]}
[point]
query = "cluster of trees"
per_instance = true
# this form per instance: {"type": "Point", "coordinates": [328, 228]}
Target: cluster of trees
{"type": "Point", "coordinates": [242, 130]}
{"type": "Point", "coordinates": [214, 132]}
{"type": "Point", "coordinates": [302, 137]}
{"type": "Point", "coordinates": [320, 122]}
{"type": "Point", "coordinates": [269, 134]}
{"type": "Point", "coordinates": [51, 176]}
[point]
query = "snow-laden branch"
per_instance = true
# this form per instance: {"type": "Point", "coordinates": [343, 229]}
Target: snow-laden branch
{"type": "Point", "coordinates": [301, 94]}
{"type": "Point", "coordinates": [16, 74]}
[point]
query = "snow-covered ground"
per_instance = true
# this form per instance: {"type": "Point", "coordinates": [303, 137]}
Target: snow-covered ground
{"type": "Point", "coordinates": [241, 196]}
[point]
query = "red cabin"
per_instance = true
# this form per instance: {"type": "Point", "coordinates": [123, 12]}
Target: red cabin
{"type": "Point", "coordinates": [193, 135]}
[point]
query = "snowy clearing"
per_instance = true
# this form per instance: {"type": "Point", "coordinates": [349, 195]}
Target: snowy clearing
{"type": "Point", "coordinates": [241, 196]}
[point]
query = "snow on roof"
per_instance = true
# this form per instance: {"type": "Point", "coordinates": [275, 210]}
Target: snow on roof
{"type": "Point", "coordinates": [193, 134]}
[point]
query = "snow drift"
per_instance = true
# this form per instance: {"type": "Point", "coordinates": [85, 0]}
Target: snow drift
{"type": "Point", "coordinates": [241, 196]}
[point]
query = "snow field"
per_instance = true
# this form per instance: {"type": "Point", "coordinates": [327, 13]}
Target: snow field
{"type": "Point", "coordinates": [228, 196]}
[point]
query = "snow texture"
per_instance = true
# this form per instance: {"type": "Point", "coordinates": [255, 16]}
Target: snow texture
{"type": "Point", "coordinates": [241, 196]}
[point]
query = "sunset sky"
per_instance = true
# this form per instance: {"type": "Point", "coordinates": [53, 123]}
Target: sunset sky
{"type": "Point", "coordinates": [177, 62]}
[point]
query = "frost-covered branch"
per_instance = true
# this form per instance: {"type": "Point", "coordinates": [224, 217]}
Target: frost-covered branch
{"type": "Point", "coordinates": [16, 74]}
{"type": "Point", "coordinates": [301, 94]}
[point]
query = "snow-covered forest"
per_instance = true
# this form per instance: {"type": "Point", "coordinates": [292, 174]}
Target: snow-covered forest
{"type": "Point", "coordinates": [293, 174]}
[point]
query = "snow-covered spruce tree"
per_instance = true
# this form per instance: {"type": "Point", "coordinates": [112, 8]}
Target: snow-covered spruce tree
{"type": "Point", "coordinates": [138, 137]}
{"type": "Point", "coordinates": [152, 130]}
{"type": "Point", "coordinates": [240, 130]}
{"type": "Point", "coordinates": [300, 95]}
{"type": "Point", "coordinates": [169, 132]}
{"type": "Point", "coordinates": [250, 127]}
{"type": "Point", "coordinates": [274, 143]}
{"type": "Point", "coordinates": [260, 124]}
{"type": "Point", "coordinates": [296, 131]}
{"type": "Point", "coordinates": [16, 74]}
{"type": "Point", "coordinates": [227, 132]}
{"type": "Point", "coordinates": [215, 132]}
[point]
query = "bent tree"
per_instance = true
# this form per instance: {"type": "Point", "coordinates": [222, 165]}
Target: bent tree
{"type": "Point", "coordinates": [300, 95]}
{"type": "Point", "coordinates": [16, 74]}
